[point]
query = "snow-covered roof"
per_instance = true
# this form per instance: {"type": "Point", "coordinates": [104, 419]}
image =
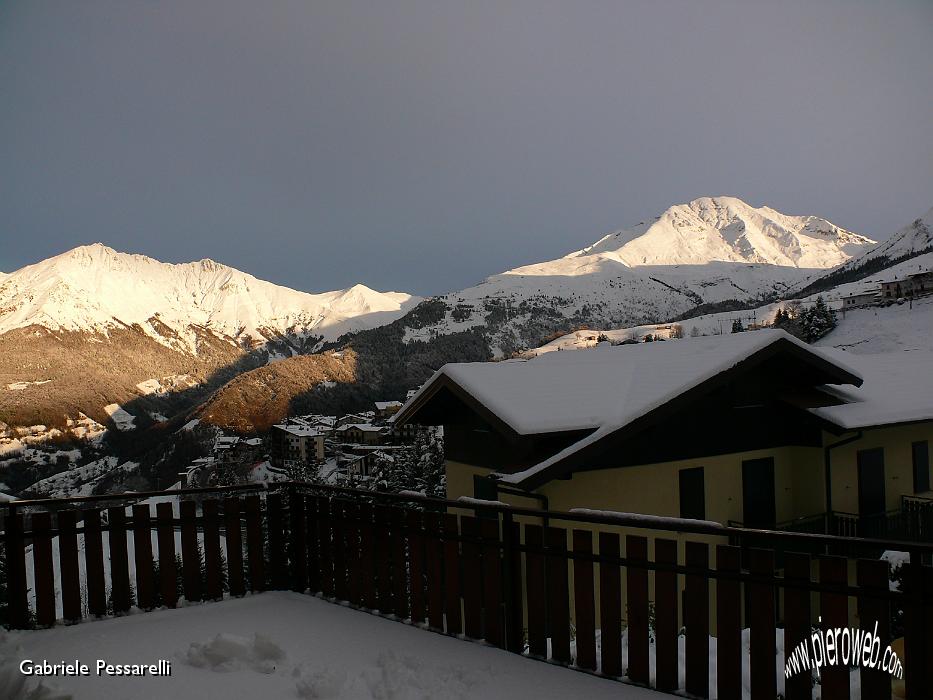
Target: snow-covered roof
{"type": "Point", "coordinates": [898, 388]}
{"type": "Point", "coordinates": [383, 405]}
{"type": "Point", "coordinates": [299, 430]}
{"type": "Point", "coordinates": [365, 427]}
{"type": "Point", "coordinates": [603, 388]}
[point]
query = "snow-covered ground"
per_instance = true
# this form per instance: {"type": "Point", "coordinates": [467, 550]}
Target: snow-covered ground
{"type": "Point", "coordinates": [872, 330]}
{"type": "Point", "coordinates": [80, 481]}
{"type": "Point", "coordinates": [884, 329]}
{"type": "Point", "coordinates": [287, 645]}
{"type": "Point", "coordinates": [122, 419]}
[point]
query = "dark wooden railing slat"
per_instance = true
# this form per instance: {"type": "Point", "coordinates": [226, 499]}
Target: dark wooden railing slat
{"type": "Point", "coordinates": [434, 563]}
{"type": "Point", "coordinates": [191, 552]}
{"type": "Point", "coordinates": [513, 586]}
{"type": "Point", "coordinates": [297, 542]}
{"type": "Point", "coordinates": [535, 591]}
{"type": "Point", "coordinates": [636, 579]}
{"type": "Point", "coordinates": [278, 560]}
{"type": "Point", "coordinates": [254, 544]}
{"type": "Point", "coordinates": [665, 617]}
{"type": "Point", "coordinates": [834, 610]}
{"type": "Point", "coordinates": [234, 534]}
{"type": "Point", "coordinates": [383, 543]}
{"type": "Point", "coordinates": [872, 577]}
{"type": "Point", "coordinates": [452, 610]}
{"type": "Point", "coordinates": [472, 578]}
{"type": "Point", "coordinates": [339, 547]}
{"type": "Point", "coordinates": [417, 565]}
{"type": "Point", "coordinates": [493, 627]}
{"type": "Point", "coordinates": [558, 594]}
{"type": "Point", "coordinates": [728, 624]}
{"type": "Point", "coordinates": [354, 551]}
{"type": "Point", "coordinates": [401, 606]}
{"type": "Point", "coordinates": [165, 533]}
{"type": "Point", "coordinates": [797, 621]}
{"type": "Point", "coordinates": [368, 594]}
{"type": "Point", "coordinates": [610, 606]}
{"type": "Point", "coordinates": [584, 601]}
{"type": "Point", "coordinates": [213, 582]}
{"type": "Point", "coordinates": [68, 565]}
{"type": "Point", "coordinates": [43, 571]}
{"type": "Point", "coordinates": [142, 544]}
{"type": "Point", "coordinates": [16, 571]}
{"type": "Point", "coordinates": [313, 544]}
{"type": "Point", "coordinates": [94, 562]}
{"type": "Point", "coordinates": [761, 621]}
{"type": "Point", "coordinates": [119, 560]}
{"type": "Point", "coordinates": [696, 620]}
{"type": "Point", "coordinates": [326, 545]}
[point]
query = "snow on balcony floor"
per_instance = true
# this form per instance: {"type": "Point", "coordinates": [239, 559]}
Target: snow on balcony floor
{"type": "Point", "coordinates": [305, 648]}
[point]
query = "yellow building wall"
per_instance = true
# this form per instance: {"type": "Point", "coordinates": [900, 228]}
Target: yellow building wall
{"type": "Point", "coordinates": [898, 464]}
{"type": "Point", "coordinates": [654, 488]}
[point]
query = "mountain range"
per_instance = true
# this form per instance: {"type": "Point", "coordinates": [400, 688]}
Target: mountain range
{"type": "Point", "coordinates": [94, 288]}
{"type": "Point", "coordinates": [94, 327]}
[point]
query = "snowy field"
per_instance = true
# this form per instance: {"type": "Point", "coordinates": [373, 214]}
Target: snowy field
{"type": "Point", "coordinates": [285, 645]}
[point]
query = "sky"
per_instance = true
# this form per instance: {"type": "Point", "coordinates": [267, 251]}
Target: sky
{"type": "Point", "coordinates": [421, 146]}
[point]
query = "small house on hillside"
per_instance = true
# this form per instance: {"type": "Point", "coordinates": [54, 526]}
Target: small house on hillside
{"type": "Point", "coordinates": [921, 283]}
{"type": "Point", "coordinates": [894, 289]}
{"type": "Point", "coordinates": [752, 428]}
{"type": "Point", "coordinates": [860, 300]}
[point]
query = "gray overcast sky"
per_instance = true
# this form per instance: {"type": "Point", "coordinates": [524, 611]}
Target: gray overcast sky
{"type": "Point", "coordinates": [421, 146]}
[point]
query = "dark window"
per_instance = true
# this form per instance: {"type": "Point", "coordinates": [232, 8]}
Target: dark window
{"type": "Point", "coordinates": [921, 455]}
{"type": "Point", "coordinates": [871, 499]}
{"type": "Point", "coordinates": [758, 506]}
{"type": "Point", "coordinates": [486, 489]}
{"type": "Point", "coordinates": [692, 494]}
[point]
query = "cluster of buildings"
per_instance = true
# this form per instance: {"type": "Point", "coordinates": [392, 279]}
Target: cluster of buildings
{"type": "Point", "coordinates": [341, 448]}
{"type": "Point", "coordinates": [911, 286]}
{"type": "Point", "coordinates": [232, 454]}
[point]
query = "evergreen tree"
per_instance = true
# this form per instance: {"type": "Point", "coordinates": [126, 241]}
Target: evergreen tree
{"type": "Point", "coordinates": [737, 326]}
{"type": "Point", "coordinates": [817, 320]}
{"type": "Point", "coordinates": [418, 467]}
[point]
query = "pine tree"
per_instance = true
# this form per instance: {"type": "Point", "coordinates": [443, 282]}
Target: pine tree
{"type": "Point", "coordinates": [817, 320]}
{"type": "Point", "coordinates": [418, 467]}
{"type": "Point", "coordinates": [737, 326]}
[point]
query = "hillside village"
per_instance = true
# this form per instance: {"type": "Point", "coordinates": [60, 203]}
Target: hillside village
{"type": "Point", "coordinates": [357, 450]}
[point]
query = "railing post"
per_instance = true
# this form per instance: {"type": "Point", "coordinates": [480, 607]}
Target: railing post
{"type": "Point", "coordinates": [16, 570]}
{"type": "Point", "coordinates": [916, 634]}
{"type": "Point", "coordinates": [508, 599]}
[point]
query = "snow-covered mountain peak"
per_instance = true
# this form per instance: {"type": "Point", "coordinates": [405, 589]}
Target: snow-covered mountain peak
{"type": "Point", "coordinates": [726, 229]}
{"type": "Point", "coordinates": [94, 287]}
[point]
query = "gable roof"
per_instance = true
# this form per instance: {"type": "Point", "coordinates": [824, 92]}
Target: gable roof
{"type": "Point", "coordinates": [586, 389]}
{"type": "Point", "coordinates": [609, 388]}
{"type": "Point", "coordinates": [898, 388]}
